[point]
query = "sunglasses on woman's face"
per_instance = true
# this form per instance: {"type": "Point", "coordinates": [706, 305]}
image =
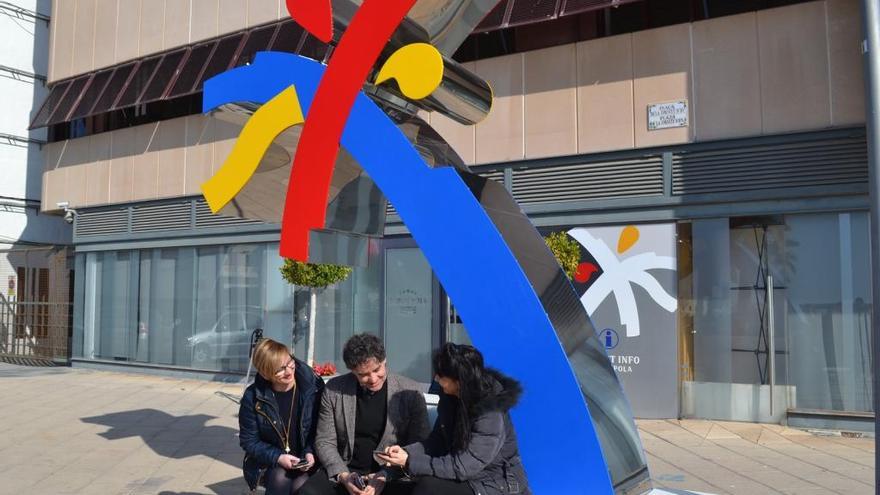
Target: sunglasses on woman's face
{"type": "Point", "coordinates": [291, 365]}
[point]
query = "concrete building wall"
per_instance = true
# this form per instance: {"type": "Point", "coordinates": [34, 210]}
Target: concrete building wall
{"type": "Point", "coordinates": [91, 34]}
{"type": "Point", "coordinates": [159, 160]}
{"type": "Point", "coordinates": [25, 41]}
{"type": "Point", "coordinates": [773, 71]}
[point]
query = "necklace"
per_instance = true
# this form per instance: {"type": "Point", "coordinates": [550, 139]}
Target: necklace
{"type": "Point", "coordinates": [289, 418]}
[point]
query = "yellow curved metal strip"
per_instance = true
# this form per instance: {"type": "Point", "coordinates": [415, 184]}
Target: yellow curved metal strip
{"type": "Point", "coordinates": [261, 129]}
{"type": "Point", "coordinates": [417, 68]}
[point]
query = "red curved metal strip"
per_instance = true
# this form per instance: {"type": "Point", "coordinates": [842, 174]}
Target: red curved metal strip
{"type": "Point", "coordinates": [315, 16]}
{"type": "Point", "coordinates": [306, 203]}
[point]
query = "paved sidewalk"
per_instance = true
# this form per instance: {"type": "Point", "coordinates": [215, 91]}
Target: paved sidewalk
{"type": "Point", "coordinates": [72, 431]}
{"type": "Point", "coordinates": [745, 458]}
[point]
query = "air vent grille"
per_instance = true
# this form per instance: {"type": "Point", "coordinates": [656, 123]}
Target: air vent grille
{"type": "Point", "coordinates": [168, 216]}
{"type": "Point", "coordinates": [98, 223]}
{"type": "Point", "coordinates": [614, 179]}
{"type": "Point", "coordinates": [206, 220]}
{"type": "Point", "coordinates": [827, 162]}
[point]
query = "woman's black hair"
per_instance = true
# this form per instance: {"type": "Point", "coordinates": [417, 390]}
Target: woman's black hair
{"type": "Point", "coordinates": [464, 364]}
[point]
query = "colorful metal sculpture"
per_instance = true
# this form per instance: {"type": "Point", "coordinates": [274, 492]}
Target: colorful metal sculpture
{"type": "Point", "coordinates": [574, 425]}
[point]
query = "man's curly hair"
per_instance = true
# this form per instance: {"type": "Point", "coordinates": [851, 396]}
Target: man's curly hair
{"type": "Point", "coordinates": [360, 348]}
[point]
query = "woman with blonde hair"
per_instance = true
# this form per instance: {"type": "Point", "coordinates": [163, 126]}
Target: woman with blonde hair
{"type": "Point", "coordinates": [277, 420]}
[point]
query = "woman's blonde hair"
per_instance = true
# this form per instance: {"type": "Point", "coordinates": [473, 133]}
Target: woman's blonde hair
{"type": "Point", "coordinates": [268, 356]}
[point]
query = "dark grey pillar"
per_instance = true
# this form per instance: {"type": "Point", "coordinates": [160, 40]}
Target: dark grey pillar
{"type": "Point", "coordinates": [871, 58]}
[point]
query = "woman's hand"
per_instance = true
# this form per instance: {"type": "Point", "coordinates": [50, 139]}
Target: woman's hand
{"type": "Point", "coordinates": [287, 461]}
{"type": "Point", "coordinates": [375, 483]}
{"type": "Point", "coordinates": [394, 456]}
{"type": "Point", "coordinates": [311, 462]}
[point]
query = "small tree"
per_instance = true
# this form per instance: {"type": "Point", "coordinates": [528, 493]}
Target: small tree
{"type": "Point", "coordinates": [314, 276]}
{"type": "Point", "coordinates": [566, 250]}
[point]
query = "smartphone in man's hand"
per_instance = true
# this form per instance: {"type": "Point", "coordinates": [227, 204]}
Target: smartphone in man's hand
{"type": "Point", "coordinates": [357, 481]}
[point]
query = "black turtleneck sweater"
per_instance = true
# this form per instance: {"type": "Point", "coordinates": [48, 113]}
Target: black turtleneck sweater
{"type": "Point", "coordinates": [369, 426]}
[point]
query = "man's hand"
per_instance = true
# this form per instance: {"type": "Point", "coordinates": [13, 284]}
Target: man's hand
{"type": "Point", "coordinates": [394, 456]}
{"type": "Point", "coordinates": [311, 462]}
{"type": "Point", "coordinates": [346, 480]}
{"type": "Point", "coordinates": [287, 461]}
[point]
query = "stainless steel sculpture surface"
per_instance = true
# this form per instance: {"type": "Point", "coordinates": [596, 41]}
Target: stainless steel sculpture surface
{"type": "Point", "coordinates": [575, 419]}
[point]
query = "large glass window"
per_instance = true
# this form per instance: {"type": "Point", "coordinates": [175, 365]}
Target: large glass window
{"type": "Point", "coordinates": [186, 306]}
{"type": "Point", "coordinates": [344, 309]}
{"type": "Point", "coordinates": [197, 306]}
{"type": "Point", "coordinates": [392, 296]}
{"type": "Point", "coordinates": [828, 311]}
{"type": "Point", "coordinates": [112, 312]}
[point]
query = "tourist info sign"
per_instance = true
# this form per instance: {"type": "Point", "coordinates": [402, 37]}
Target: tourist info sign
{"type": "Point", "coordinates": [667, 115]}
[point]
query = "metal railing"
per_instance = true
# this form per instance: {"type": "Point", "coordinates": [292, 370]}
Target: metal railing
{"type": "Point", "coordinates": [34, 329]}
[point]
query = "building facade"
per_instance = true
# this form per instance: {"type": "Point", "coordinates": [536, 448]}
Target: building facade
{"type": "Point", "coordinates": [710, 161]}
{"type": "Point", "coordinates": [35, 302]}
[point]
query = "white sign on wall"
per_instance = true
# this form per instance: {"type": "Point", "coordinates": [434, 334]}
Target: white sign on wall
{"type": "Point", "coordinates": [667, 115]}
{"type": "Point", "coordinates": [628, 283]}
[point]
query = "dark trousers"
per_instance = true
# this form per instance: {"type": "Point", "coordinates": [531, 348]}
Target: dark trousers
{"type": "Point", "coordinates": [280, 481]}
{"type": "Point", "coordinates": [319, 484]}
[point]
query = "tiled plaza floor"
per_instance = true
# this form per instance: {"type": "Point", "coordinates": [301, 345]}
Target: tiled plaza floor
{"type": "Point", "coordinates": [73, 431]}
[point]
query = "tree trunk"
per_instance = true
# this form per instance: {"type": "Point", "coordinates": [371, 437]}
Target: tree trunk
{"type": "Point", "coordinates": [313, 310]}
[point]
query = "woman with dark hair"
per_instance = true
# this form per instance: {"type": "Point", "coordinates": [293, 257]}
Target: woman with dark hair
{"type": "Point", "coordinates": [472, 448]}
{"type": "Point", "coordinates": [277, 420]}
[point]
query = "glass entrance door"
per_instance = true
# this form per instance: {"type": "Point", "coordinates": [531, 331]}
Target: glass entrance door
{"type": "Point", "coordinates": [737, 272]}
{"type": "Point", "coordinates": [784, 294]}
{"type": "Point", "coordinates": [410, 319]}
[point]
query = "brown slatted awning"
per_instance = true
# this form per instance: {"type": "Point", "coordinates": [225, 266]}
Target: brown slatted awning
{"type": "Point", "coordinates": [509, 13]}
{"type": "Point", "coordinates": [183, 71]}
{"type": "Point", "coordinates": [171, 74]}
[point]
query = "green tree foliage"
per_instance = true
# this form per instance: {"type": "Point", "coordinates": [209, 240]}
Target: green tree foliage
{"type": "Point", "coordinates": [314, 275]}
{"type": "Point", "coordinates": [566, 250]}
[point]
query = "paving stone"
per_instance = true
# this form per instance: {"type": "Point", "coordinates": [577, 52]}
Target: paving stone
{"type": "Point", "coordinates": [114, 433]}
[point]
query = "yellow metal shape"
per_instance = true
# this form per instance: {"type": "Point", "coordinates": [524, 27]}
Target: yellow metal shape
{"type": "Point", "coordinates": [261, 129]}
{"type": "Point", "coordinates": [417, 68]}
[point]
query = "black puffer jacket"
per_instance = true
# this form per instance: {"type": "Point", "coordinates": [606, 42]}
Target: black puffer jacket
{"type": "Point", "coordinates": [490, 463]}
{"type": "Point", "coordinates": [259, 422]}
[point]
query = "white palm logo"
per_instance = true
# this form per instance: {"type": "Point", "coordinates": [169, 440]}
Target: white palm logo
{"type": "Point", "coordinates": [619, 273]}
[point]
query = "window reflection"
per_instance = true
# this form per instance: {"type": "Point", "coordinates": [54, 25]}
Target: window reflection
{"type": "Point", "coordinates": [189, 306]}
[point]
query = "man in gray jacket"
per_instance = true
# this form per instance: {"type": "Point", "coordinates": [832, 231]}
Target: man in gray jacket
{"type": "Point", "coordinates": [362, 411]}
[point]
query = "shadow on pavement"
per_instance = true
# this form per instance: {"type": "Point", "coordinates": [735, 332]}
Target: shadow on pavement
{"type": "Point", "coordinates": [174, 437]}
{"type": "Point", "coordinates": [25, 367]}
{"type": "Point", "coordinates": [178, 437]}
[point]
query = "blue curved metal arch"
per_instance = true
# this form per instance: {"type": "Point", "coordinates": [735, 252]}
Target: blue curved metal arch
{"type": "Point", "coordinates": [503, 314]}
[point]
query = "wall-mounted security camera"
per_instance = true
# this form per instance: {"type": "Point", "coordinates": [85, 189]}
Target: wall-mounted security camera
{"type": "Point", "coordinates": [69, 213]}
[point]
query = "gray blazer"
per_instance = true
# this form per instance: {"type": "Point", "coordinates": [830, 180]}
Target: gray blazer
{"type": "Point", "coordinates": [406, 420]}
